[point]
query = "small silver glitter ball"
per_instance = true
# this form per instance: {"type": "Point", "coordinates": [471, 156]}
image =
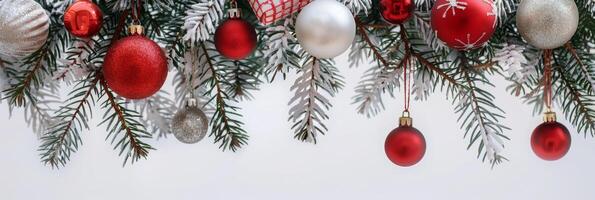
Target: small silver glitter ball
{"type": "Point", "coordinates": [190, 124]}
{"type": "Point", "coordinates": [325, 28]}
{"type": "Point", "coordinates": [547, 24]}
{"type": "Point", "coordinates": [24, 27]}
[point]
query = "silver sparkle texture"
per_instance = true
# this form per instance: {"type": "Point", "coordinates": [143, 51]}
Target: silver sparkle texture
{"type": "Point", "coordinates": [325, 28]}
{"type": "Point", "coordinates": [190, 124]}
{"type": "Point", "coordinates": [24, 27]}
{"type": "Point", "coordinates": [547, 24]}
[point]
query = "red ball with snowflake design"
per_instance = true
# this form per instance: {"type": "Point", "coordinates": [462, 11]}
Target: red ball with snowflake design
{"type": "Point", "coordinates": [464, 24]}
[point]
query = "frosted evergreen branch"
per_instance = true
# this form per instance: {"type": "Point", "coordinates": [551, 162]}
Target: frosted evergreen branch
{"type": "Point", "coordinates": [425, 31]}
{"type": "Point", "coordinates": [514, 60]}
{"type": "Point", "coordinates": [63, 138]}
{"type": "Point", "coordinates": [309, 106]}
{"type": "Point", "coordinates": [202, 19]}
{"type": "Point", "coordinates": [477, 119]}
{"type": "Point", "coordinates": [376, 81]}
{"type": "Point", "coordinates": [357, 6]}
{"type": "Point", "coordinates": [123, 127]}
{"type": "Point", "coordinates": [280, 50]}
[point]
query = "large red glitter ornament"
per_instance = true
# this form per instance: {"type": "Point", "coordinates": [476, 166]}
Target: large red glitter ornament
{"type": "Point", "coordinates": [235, 38]}
{"type": "Point", "coordinates": [135, 67]}
{"type": "Point", "coordinates": [83, 18]}
{"type": "Point", "coordinates": [396, 11]}
{"type": "Point", "coordinates": [405, 146]}
{"type": "Point", "coordinates": [464, 24]}
{"type": "Point", "coordinates": [550, 140]}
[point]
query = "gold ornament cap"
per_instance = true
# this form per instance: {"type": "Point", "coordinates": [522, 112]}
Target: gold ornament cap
{"type": "Point", "coordinates": [549, 116]}
{"type": "Point", "coordinates": [406, 119]}
{"type": "Point", "coordinates": [136, 29]}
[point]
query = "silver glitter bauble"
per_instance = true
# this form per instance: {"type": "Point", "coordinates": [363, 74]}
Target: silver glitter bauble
{"type": "Point", "coordinates": [547, 24]}
{"type": "Point", "coordinates": [325, 28]}
{"type": "Point", "coordinates": [24, 27]}
{"type": "Point", "coordinates": [190, 124]}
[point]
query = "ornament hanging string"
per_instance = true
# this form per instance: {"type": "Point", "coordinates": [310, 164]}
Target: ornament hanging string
{"type": "Point", "coordinates": [547, 79]}
{"type": "Point", "coordinates": [136, 9]}
{"type": "Point", "coordinates": [407, 82]}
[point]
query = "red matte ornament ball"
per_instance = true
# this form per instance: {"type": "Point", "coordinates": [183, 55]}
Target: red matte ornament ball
{"type": "Point", "coordinates": [135, 67]}
{"type": "Point", "coordinates": [550, 141]}
{"type": "Point", "coordinates": [83, 19]}
{"type": "Point", "coordinates": [235, 39]}
{"type": "Point", "coordinates": [405, 146]}
{"type": "Point", "coordinates": [464, 24]}
{"type": "Point", "coordinates": [396, 11]}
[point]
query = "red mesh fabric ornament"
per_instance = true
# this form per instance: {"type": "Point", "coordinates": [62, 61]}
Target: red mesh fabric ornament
{"type": "Point", "coordinates": [464, 24]}
{"type": "Point", "coordinates": [405, 146]}
{"type": "Point", "coordinates": [550, 140]}
{"type": "Point", "coordinates": [396, 11]}
{"type": "Point", "coordinates": [269, 11]}
{"type": "Point", "coordinates": [83, 19]}
{"type": "Point", "coordinates": [135, 67]}
{"type": "Point", "coordinates": [235, 39]}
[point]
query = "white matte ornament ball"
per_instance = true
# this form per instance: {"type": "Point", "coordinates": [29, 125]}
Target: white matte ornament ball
{"type": "Point", "coordinates": [190, 124]}
{"type": "Point", "coordinates": [24, 27]}
{"type": "Point", "coordinates": [325, 28]}
{"type": "Point", "coordinates": [547, 24]}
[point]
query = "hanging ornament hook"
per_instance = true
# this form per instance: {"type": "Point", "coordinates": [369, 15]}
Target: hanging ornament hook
{"type": "Point", "coordinates": [549, 115]}
{"type": "Point", "coordinates": [233, 11]}
{"type": "Point", "coordinates": [405, 119]}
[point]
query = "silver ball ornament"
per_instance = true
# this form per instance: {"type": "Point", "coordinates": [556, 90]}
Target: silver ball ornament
{"type": "Point", "coordinates": [547, 24]}
{"type": "Point", "coordinates": [24, 27]}
{"type": "Point", "coordinates": [325, 28]}
{"type": "Point", "coordinates": [190, 124]}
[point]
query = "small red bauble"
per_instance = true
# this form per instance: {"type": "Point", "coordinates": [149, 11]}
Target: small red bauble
{"type": "Point", "coordinates": [464, 24]}
{"type": "Point", "coordinates": [405, 146]}
{"type": "Point", "coordinates": [550, 140]}
{"type": "Point", "coordinates": [135, 67]}
{"type": "Point", "coordinates": [235, 39]}
{"type": "Point", "coordinates": [83, 18]}
{"type": "Point", "coordinates": [396, 11]}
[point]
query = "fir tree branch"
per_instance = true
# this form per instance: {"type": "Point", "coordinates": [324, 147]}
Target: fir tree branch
{"type": "Point", "coordinates": [226, 130]}
{"type": "Point", "coordinates": [63, 138]}
{"type": "Point", "coordinates": [123, 127]}
{"type": "Point", "coordinates": [580, 107]}
{"type": "Point", "coordinates": [363, 33]}
{"type": "Point", "coordinates": [584, 69]}
{"type": "Point", "coordinates": [480, 121]}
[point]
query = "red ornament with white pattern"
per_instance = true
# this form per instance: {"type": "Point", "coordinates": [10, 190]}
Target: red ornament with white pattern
{"type": "Point", "coordinates": [464, 24]}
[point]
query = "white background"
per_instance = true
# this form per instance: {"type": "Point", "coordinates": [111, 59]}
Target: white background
{"type": "Point", "coordinates": [348, 163]}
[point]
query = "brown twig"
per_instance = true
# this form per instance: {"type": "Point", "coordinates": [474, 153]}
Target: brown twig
{"type": "Point", "coordinates": [422, 60]}
{"type": "Point", "coordinates": [364, 35]}
{"type": "Point", "coordinates": [138, 150]}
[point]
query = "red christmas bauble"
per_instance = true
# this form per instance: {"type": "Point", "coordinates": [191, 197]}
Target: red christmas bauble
{"type": "Point", "coordinates": [464, 24]}
{"type": "Point", "coordinates": [235, 39]}
{"type": "Point", "coordinates": [550, 140]}
{"type": "Point", "coordinates": [396, 11]}
{"type": "Point", "coordinates": [135, 67]}
{"type": "Point", "coordinates": [405, 146]}
{"type": "Point", "coordinates": [83, 18]}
